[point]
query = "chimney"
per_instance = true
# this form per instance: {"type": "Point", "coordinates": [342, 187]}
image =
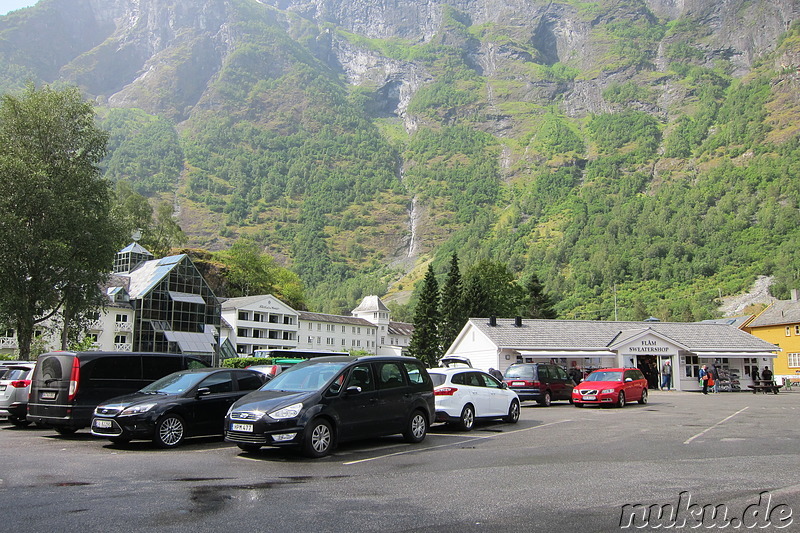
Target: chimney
{"type": "Point", "coordinates": [493, 321]}
{"type": "Point", "coordinates": [518, 321]}
{"type": "Point", "coordinates": [794, 295]}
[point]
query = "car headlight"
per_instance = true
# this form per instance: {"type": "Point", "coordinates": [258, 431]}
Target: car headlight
{"type": "Point", "coordinates": [290, 411]}
{"type": "Point", "coordinates": [137, 409]}
{"type": "Point", "coordinates": [606, 391]}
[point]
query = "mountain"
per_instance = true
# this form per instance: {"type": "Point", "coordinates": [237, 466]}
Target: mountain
{"type": "Point", "coordinates": [640, 157]}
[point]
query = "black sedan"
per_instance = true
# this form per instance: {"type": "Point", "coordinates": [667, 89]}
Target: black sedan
{"type": "Point", "coordinates": [185, 403]}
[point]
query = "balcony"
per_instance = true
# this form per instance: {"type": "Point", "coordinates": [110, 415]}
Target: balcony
{"type": "Point", "coordinates": [123, 346]}
{"type": "Point", "coordinates": [8, 342]}
{"type": "Point", "coordinates": [123, 326]}
{"type": "Point", "coordinates": [95, 325]}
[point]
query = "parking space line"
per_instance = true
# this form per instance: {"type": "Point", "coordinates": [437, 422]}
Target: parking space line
{"type": "Point", "coordinates": [469, 439]}
{"type": "Point", "coordinates": [687, 441]}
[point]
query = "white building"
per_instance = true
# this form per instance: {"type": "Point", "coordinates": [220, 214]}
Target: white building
{"type": "Point", "coordinates": [498, 343]}
{"type": "Point", "coordinates": [264, 322]}
{"type": "Point", "coordinates": [259, 323]}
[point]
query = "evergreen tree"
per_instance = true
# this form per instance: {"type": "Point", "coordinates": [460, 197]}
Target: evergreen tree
{"type": "Point", "coordinates": [452, 305]}
{"type": "Point", "coordinates": [425, 343]}
{"type": "Point", "coordinates": [537, 303]}
{"type": "Point", "coordinates": [476, 299]}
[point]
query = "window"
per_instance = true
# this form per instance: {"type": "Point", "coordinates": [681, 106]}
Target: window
{"type": "Point", "coordinates": [788, 331]}
{"type": "Point", "coordinates": [122, 318]}
{"type": "Point", "coordinates": [248, 381]}
{"type": "Point", "coordinates": [417, 374]}
{"type": "Point", "coordinates": [92, 336]}
{"type": "Point", "coordinates": [120, 339]}
{"type": "Point", "coordinates": [243, 315]}
{"type": "Point", "coordinates": [319, 327]}
{"type": "Point", "coordinates": [310, 339]}
{"type": "Point", "coordinates": [794, 360]}
{"type": "Point", "coordinates": [242, 332]}
{"type": "Point", "coordinates": [9, 333]}
{"type": "Point", "coordinates": [797, 329]}
{"type": "Point", "coordinates": [157, 367]}
{"type": "Point", "coordinates": [218, 383]}
{"type": "Point", "coordinates": [361, 376]}
{"type": "Point", "coordinates": [343, 329]}
{"type": "Point", "coordinates": [389, 375]}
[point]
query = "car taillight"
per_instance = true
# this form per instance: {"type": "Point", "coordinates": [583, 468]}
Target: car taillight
{"type": "Point", "coordinates": [444, 391]}
{"type": "Point", "coordinates": [21, 383]}
{"type": "Point", "coordinates": [73, 379]}
{"type": "Point", "coordinates": [275, 370]}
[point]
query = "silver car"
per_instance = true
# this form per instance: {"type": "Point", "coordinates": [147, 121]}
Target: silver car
{"type": "Point", "coordinates": [15, 384]}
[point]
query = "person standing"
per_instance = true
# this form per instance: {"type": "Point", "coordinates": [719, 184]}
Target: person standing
{"type": "Point", "coordinates": [496, 374]}
{"type": "Point", "coordinates": [766, 374]}
{"type": "Point", "coordinates": [666, 375]}
{"type": "Point", "coordinates": [704, 376]}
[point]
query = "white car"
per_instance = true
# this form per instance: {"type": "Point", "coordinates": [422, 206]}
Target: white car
{"type": "Point", "coordinates": [465, 394]}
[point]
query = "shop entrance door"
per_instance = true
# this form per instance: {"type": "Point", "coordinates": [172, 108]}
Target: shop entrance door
{"type": "Point", "coordinates": [648, 365]}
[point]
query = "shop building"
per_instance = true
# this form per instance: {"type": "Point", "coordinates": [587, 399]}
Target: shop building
{"type": "Point", "coordinates": [589, 345]}
{"type": "Point", "coordinates": [779, 324]}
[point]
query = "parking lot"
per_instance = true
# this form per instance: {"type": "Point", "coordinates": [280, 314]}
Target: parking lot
{"type": "Point", "coordinates": [559, 469]}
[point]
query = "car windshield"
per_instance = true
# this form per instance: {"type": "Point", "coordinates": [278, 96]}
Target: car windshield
{"type": "Point", "coordinates": [15, 373]}
{"type": "Point", "coordinates": [521, 371]}
{"type": "Point", "coordinates": [604, 376]}
{"type": "Point", "coordinates": [305, 378]}
{"type": "Point", "coordinates": [438, 379]}
{"type": "Point", "coordinates": [174, 383]}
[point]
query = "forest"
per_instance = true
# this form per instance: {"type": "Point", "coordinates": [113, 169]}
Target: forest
{"type": "Point", "coordinates": [680, 191]}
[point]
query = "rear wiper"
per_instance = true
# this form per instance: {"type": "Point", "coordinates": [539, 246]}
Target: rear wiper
{"type": "Point", "coordinates": [49, 381]}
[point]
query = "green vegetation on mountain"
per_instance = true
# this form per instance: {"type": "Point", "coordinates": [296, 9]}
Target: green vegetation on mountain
{"type": "Point", "coordinates": [622, 164]}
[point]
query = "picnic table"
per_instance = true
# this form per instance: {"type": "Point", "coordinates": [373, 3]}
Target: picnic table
{"type": "Point", "coordinates": [765, 386]}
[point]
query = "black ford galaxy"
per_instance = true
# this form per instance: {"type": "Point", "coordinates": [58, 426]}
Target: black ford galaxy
{"type": "Point", "coordinates": [326, 400]}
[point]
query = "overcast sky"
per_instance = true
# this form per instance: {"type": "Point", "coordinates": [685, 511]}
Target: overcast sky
{"type": "Point", "coordinates": [11, 5]}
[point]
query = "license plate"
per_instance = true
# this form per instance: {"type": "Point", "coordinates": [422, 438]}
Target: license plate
{"type": "Point", "coordinates": [102, 423]}
{"type": "Point", "coordinates": [517, 383]}
{"type": "Point", "coordinates": [48, 395]}
{"type": "Point", "coordinates": [247, 428]}
{"type": "Point", "coordinates": [589, 397]}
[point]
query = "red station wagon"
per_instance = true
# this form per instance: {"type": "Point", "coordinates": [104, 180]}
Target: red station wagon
{"type": "Point", "coordinates": [611, 386]}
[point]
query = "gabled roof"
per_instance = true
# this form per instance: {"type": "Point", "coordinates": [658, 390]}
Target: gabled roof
{"type": "Point", "coordinates": [401, 328]}
{"type": "Point", "coordinates": [246, 301]}
{"type": "Point", "coordinates": [600, 335]}
{"type": "Point", "coordinates": [781, 312]}
{"type": "Point", "coordinates": [137, 248]}
{"type": "Point", "coordinates": [370, 303]}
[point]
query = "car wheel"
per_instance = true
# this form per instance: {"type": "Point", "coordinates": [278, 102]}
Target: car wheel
{"type": "Point", "coordinates": [621, 399]}
{"type": "Point", "coordinates": [513, 412]}
{"type": "Point", "coordinates": [19, 422]}
{"type": "Point", "coordinates": [417, 427]}
{"type": "Point", "coordinates": [318, 441]}
{"type": "Point", "coordinates": [66, 431]}
{"type": "Point", "coordinates": [467, 420]}
{"type": "Point", "coordinates": [546, 399]}
{"type": "Point", "coordinates": [643, 399]}
{"type": "Point", "coordinates": [249, 447]}
{"type": "Point", "coordinates": [170, 431]}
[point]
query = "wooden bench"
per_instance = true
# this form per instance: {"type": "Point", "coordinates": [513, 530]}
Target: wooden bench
{"type": "Point", "coordinates": [765, 386]}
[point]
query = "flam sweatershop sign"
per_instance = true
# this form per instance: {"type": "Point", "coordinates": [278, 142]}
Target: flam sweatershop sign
{"type": "Point", "coordinates": [649, 346]}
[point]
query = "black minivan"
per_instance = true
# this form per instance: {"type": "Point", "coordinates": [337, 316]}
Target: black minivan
{"type": "Point", "coordinates": [326, 400]}
{"type": "Point", "coordinates": [67, 386]}
{"type": "Point", "coordinates": [542, 382]}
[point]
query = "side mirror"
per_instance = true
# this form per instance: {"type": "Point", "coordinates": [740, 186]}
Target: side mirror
{"type": "Point", "coordinates": [352, 390]}
{"type": "Point", "coordinates": [203, 391]}
{"type": "Point", "coordinates": [503, 385]}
